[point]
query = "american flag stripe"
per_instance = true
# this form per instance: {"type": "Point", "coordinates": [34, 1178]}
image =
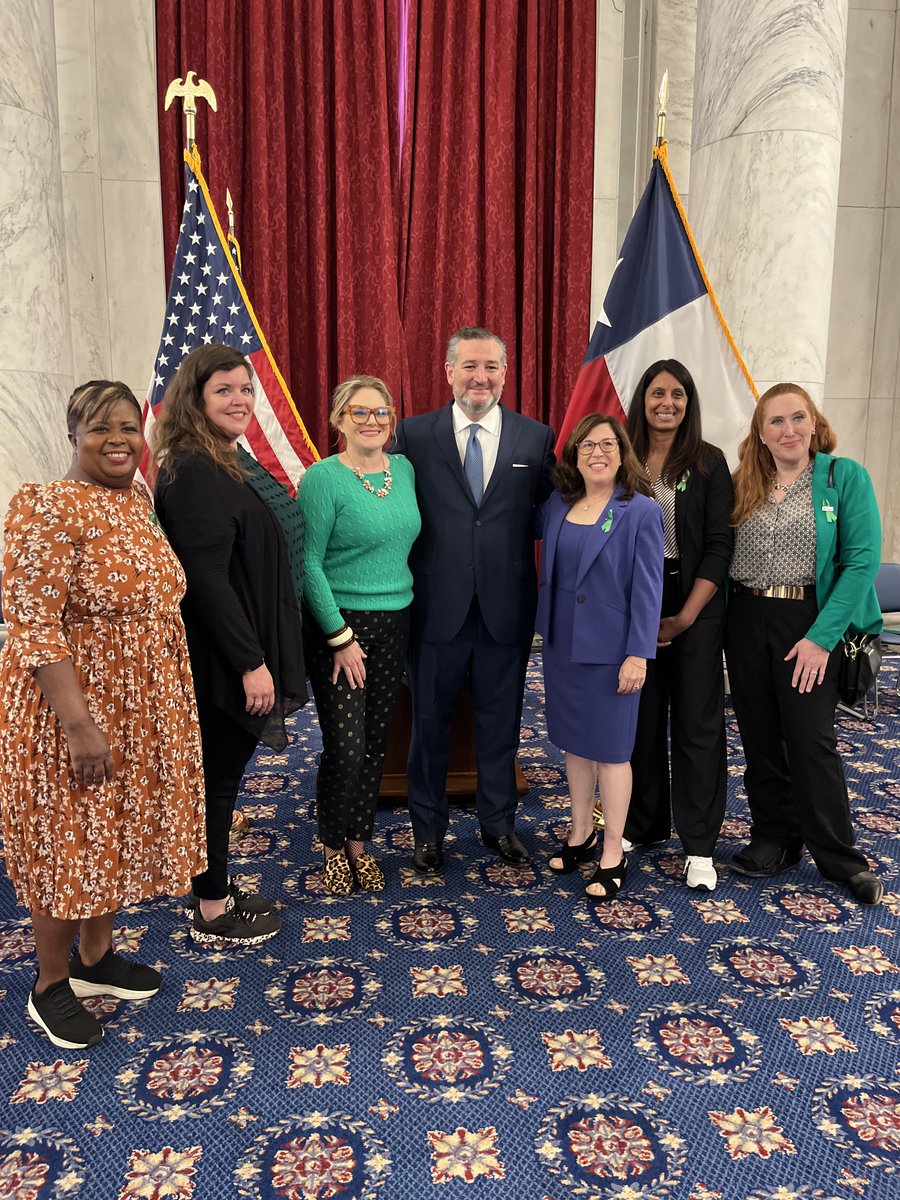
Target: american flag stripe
{"type": "Point", "coordinates": [207, 302]}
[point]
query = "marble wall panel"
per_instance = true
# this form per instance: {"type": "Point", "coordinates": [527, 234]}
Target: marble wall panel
{"type": "Point", "coordinates": [76, 71]}
{"type": "Point", "coordinates": [126, 89]}
{"type": "Point", "coordinates": [137, 293]}
{"type": "Point", "coordinates": [892, 188]}
{"type": "Point", "coordinates": [857, 254]}
{"type": "Point", "coordinates": [886, 351]}
{"type": "Point", "coordinates": [849, 417]}
{"type": "Point", "coordinates": [877, 5]}
{"type": "Point", "coordinates": [768, 246]}
{"type": "Point", "coordinates": [605, 253]}
{"type": "Point", "coordinates": [880, 418]}
{"type": "Point", "coordinates": [33, 445]}
{"type": "Point", "coordinates": [34, 318]}
{"type": "Point", "coordinates": [867, 99]}
{"type": "Point", "coordinates": [608, 107]}
{"type": "Point", "coordinates": [28, 57]}
{"type": "Point", "coordinates": [86, 258]}
{"type": "Point", "coordinates": [779, 64]}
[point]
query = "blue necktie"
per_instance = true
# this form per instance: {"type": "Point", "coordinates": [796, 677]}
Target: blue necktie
{"type": "Point", "coordinates": [473, 464]}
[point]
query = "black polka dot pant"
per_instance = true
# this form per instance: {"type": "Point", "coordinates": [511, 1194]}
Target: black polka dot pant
{"type": "Point", "coordinates": [354, 722]}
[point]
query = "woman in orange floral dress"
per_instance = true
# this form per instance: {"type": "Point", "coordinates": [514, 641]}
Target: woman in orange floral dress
{"type": "Point", "coordinates": [101, 792]}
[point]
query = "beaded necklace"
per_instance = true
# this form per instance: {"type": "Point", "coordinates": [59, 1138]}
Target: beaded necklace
{"type": "Point", "coordinates": [379, 492]}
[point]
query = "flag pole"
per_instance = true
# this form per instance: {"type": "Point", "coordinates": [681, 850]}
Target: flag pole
{"type": "Point", "coordinates": [233, 243]}
{"type": "Point", "coordinates": [188, 89]}
{"type": "Point", "coordinates": [661, 111]}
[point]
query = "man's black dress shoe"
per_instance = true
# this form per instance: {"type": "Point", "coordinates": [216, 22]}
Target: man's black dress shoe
{"type": "Point", "coordinates": [762, 859]}
{"type": "Point", "coordinates": [866, 888]}
{"type": "Point", "coordinates": [508, 847]}
{"type": "Point", "coordinates": [428, 858]}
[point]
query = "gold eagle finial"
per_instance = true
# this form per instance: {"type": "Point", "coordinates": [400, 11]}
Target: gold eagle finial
{"type": "Point", "coordinates": [189, 89]}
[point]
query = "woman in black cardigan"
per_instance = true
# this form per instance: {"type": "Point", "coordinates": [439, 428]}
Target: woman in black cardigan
{"type": "Point", "coordinates": [239, 537]}
{"type": "Point", "coordinates": [685, 682]}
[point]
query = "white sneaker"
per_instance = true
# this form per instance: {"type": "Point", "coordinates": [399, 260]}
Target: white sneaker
{"type": "Point", "coordinates": [627, 846]}
{"type": "Point", "coordinates": [700, 872]}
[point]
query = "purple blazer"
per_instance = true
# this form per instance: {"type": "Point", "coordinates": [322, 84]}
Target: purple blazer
{"type": "Point", "coordinates": [618, 590]}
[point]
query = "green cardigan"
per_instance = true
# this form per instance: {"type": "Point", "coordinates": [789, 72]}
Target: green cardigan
{"type": "Point", "coordinates": [848, 511]}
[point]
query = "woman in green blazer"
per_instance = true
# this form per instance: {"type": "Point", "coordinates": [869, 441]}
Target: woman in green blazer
{"type": "Point", "coordinates": [805, 559]}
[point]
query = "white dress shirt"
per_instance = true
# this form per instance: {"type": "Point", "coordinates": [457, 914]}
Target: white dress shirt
{"type": "Point", "coordinates": [488, 437]}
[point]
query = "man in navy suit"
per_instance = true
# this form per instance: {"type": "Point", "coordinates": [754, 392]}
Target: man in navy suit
{"type": "Point", "coordinates": [481, 470]}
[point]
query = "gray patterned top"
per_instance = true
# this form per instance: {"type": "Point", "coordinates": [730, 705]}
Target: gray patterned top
{"type": "Point", "coordinates": [777, 545]}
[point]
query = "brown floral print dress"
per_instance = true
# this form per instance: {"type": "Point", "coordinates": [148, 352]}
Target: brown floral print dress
{"type": "Point", "coordinates": [89, 575]}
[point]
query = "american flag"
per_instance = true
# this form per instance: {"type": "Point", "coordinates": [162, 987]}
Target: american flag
{"type": "Point", "coordinates": [207, 303]}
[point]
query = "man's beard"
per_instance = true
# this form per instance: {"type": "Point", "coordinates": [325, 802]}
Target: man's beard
{"type": "Point", "coordinates": [479, 410]}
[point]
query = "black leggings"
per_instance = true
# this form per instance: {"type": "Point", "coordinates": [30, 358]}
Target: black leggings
{"type": "Point", "coordinates": [354, 722]}
{"type": "Point", "coordinates": [227, 748]}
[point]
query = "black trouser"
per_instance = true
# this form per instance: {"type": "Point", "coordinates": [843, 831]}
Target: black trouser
{"type": "Point", "coordinates": [227, 748]}
{"type": "Point", "coordinates": [354, 722]}
{"type": "Point", "coordinates": [684, 682]}
{"type": "Point", "coordinates": [437, 673]}
{"type": "Point", "coordinates": [794, 777]}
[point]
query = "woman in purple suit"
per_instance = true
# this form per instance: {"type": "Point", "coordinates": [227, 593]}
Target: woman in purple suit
{"type": "Point", "coordinates": [598, 613]}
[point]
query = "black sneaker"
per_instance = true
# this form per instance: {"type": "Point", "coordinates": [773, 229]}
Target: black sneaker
{"type": "Point", "coordinates": [248, 901]}
{"type": "Point", "coordinates": [115, 976]}
{"type": "Point", "coordinates": [235, 925]}
{"type": "Point", "coordinates": [66, 1023]}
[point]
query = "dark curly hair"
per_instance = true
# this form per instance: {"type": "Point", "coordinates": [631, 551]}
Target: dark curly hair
{"type": "Point", "coordinates": [631, 476]}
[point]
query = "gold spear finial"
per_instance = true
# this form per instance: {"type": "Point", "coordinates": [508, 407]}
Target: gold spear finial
{"type": "Point", "coordinates": [233, 244]}
{"type": "Point", "coordinates": [189, 89]}
{"type": "Point", "coordinates": [661, 111]}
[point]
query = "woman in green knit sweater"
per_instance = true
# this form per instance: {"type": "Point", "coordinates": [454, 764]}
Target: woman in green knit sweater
{"type": "Point", "coordinates": [361, 521]}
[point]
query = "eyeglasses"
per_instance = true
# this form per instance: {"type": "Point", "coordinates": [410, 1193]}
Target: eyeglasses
{"type": "Point", "coordinates": [360, 416]}
{"type": "Point", "coordinates": [607, 445]}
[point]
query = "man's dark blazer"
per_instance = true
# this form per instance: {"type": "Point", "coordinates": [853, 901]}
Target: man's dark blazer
{"type": "Point", "coordinates": [464, 549]}
{"type": "Point", "coordinates": [703, 525]}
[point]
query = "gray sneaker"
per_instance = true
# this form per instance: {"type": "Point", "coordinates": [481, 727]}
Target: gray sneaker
{"type": "Point", "coordinates": [235, 925]}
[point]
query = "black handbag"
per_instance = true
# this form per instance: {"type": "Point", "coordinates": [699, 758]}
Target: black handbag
{"type": "Point", "coordinates": [860, 662]}
{"type": "Point", "coordinates": [860, 658]}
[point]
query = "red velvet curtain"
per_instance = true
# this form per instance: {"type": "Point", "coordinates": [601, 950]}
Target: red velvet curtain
{"type": "Point", "coordinates": [361, 253]}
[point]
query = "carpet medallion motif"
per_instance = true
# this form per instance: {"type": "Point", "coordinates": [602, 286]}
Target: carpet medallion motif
{"type": "Point", "coordinates": [486, 1033]}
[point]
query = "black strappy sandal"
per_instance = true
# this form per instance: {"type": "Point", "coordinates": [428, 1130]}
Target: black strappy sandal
{"type": "Point", "coordinates": [573, 855]}
{"type": "Point", "coordinates": [613, 880]}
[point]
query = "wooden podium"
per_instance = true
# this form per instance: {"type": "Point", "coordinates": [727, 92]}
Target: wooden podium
{"type": "Point", "coordinates": [462, 773]}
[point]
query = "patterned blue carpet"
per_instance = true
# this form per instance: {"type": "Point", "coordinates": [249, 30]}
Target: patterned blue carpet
{"type": "Point", "coordinates": [490, 1035]}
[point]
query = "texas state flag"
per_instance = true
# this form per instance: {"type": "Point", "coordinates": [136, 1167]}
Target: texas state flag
{"type": "Point", "coordinates": [660, 304]}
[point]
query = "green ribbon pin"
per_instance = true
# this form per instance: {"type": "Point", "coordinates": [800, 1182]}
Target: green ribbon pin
{"type": "Point", "coordinates": [607, 524]}
{"type": "Point", "coordinates": [828, 510]}
{"type": "Point", "coordinates": [682, 482]}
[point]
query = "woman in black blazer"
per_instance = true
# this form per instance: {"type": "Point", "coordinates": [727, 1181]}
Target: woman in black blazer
{"type": "Point", "coordinates": [685, 682]}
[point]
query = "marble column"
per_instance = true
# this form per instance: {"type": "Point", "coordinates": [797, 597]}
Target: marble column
{"type": "Point", "coordinates": [35, 337]}
{"type": "Point", "coordinates": [765, 162]}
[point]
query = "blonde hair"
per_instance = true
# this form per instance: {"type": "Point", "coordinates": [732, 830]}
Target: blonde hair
{"type": "Point", "coordinates": [344, 393]}
{"type": "Point", "coordinates": [752, 479]}
{"type": "Point", "coordinates": [184, 427]}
